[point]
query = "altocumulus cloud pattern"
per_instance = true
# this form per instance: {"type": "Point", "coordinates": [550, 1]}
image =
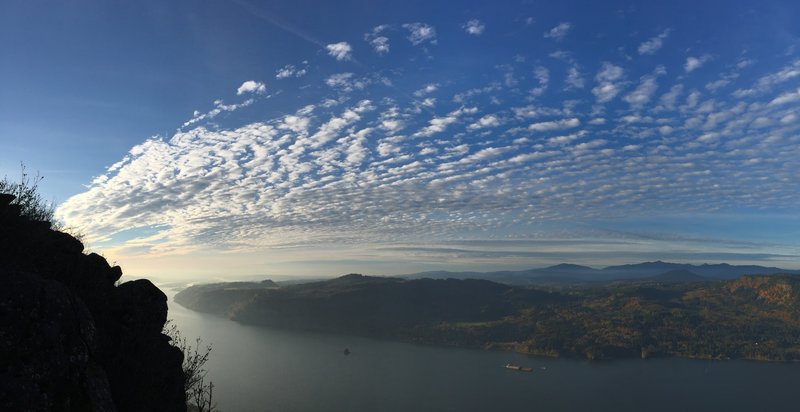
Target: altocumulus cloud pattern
{"type": "Point", "coordinates": [385, 139]}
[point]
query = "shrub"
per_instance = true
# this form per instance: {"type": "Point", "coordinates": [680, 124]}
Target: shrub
{"type": "Point", "coordinates": [32, 205]}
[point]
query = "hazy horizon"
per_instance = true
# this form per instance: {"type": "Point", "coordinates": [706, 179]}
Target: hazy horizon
{"type": "Point", "coordinates": [188, 279]}
{"type": "Point", "coordinates": [246, 139]}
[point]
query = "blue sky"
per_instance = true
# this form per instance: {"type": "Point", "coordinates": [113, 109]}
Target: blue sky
{"type": "Point", "coordinates": [233, 138]}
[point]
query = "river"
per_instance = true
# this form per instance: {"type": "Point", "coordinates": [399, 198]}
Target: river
{"type": "Point", "coordinates": [262, 369]}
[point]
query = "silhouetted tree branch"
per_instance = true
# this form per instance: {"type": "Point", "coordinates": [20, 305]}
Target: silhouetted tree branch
{"type": "Point", "coordinates": [199, 393]}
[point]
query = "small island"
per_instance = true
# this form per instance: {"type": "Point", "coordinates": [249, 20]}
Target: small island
{"type": "Point", "coordinates": [751, 317]}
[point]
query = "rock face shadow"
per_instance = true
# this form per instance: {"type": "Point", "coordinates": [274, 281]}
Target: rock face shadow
{"type": "Point", "coordinates": [70, 338]}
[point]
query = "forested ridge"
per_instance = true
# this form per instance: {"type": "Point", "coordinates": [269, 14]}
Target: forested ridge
{"type": "Point", "coordinates": [752, 317]}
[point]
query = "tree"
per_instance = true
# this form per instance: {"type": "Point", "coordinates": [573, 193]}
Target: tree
{"type": "Point", "coordinates": [199, 393]}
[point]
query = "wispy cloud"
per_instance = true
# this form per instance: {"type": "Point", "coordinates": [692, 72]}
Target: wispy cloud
{"type": "Point", "coordinates": [574, 79]}
{"type": "Point", "coordinates": [290, 70]}
{"type": "Point", "coordinates": [440, 124]}
{"type": "Point", "coordinates": [474, 27]}
{"type": "Point", "coordinates": [559, 32]}
{"type": "Point", "coordinates": [346, 82]}
{"type": "Point", "coordinates": [654, 44]}
{"type": "Point", "coordinates": [429, 88]}
{"type": "Point", "coordinates": [768, 81]}
{"type": "Point", "coordinates": [419, 33]}
{"type": "Point", "coordinates": [542, 75]}
{"type": "Point", "coordinates": [694, 63]}
{"type": "Point", "coordinates": [379, 42]}
{"type": "Point", "coordinates": [219, 107]}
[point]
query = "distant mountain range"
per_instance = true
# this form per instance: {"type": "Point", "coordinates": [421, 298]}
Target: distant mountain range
{"type": "Point", "coordinates": [566, 273]}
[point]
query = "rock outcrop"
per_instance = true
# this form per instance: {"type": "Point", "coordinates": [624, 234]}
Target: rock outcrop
{"type": "Point", "coordinates": [70, 338]}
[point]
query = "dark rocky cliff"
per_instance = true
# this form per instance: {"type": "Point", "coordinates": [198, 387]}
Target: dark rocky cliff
{"type": "Point", "coordinates": [72, 340]}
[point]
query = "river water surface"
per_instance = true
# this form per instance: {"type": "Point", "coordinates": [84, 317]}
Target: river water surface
{"type": "Point", "coordinates": [262, 369]}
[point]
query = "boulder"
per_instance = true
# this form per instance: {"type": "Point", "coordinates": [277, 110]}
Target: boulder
{"type": "Point", "coordinates": [65, 243]}
{"type": "Point", "coordinates": [143, 306]}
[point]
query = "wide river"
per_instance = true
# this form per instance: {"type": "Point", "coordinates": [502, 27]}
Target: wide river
{"type": "Point", "coordinates": [261, 369]}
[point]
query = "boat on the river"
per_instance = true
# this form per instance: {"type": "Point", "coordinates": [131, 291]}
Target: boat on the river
{"type": "Point", "coordinates": [519, 368]}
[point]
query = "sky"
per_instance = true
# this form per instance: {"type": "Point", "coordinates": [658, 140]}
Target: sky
{"type": "Point", "coordinates": [238, 138]}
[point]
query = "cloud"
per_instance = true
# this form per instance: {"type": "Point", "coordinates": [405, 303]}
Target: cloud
{"type": "Point", "coordinates": [768, 81]}
{"type": "Point", "coordinates": [717, 84]}
{"type": "Point", "coordinates": [297, 124]}
{"type": "Point", "coordinates": [564, 56]}
{"type": "Point", "coordinates": [251, 86]}
{"type": "Point", "coordinates": [340, 51]}
{"type": "Point", "coordinates": [559, 32]}
{"type": "Point", "coordinates": [339, 79]}
{"type": "Point", "coordinates": [219, 108]}
{"type": "Point", "coordinates": [419, 33]}
{"type": "Point", "coordinates": [527, 112]}
{"type": "Point", "coordinates": [694, 63]}
{"type": "Point", "coordinates": [609, 79]}
{"type": "Point", "coordinates": [474, 27]}
{"type": "Point", "coordinates": [485, 122]}
{"type": "Point", "coordinates": [585, 147]}
{"type": "Point", "coordinates": [789, 72]}
{"type": "Point", "coordinates": [643, 93]}
{"type": "Point", "coordinates": [341, 160]}
{"type": "Point", "coordinates": [744, 63]}
{"type": "Point", "coordinates": [789, 97]}
{"type": "Point", "coordinates": [346, 82]}
{"type": "Point", "coordinates": [789, 118]}
{"type": "Point", "coordinates": [609, 73]}
{"type": "Point", "coordinates": [429, 102]}
{"type": "Point", "coordinates": [574, 79]}
{"type": "Point", "coordinates": [379, 43]}
{"type": "Point", "coordinates": [478, 91]}
{"type": "Point", "coordinates": [291, 71]}
{"type": "Point", "coordinates": [440, 124]}
{"type": "Point", "coordinates": [387, 149]}
{"type": "Point", "coordinates": [669, 99]}
{"type": "Point", "coordinates": [542, 75]}
{"type": "Point", "coordinates": [429, 88]}
{"type": "Point", "coordinates": [477, 157]}
{"type": "Point", "coordinates": [692, 99]}
{"type": "Point", "coordinates": [654, 44]}
{"type": "Point", "coordinates": [555, 125]}
{"type": "Point", "coordinates": [566, 139]}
